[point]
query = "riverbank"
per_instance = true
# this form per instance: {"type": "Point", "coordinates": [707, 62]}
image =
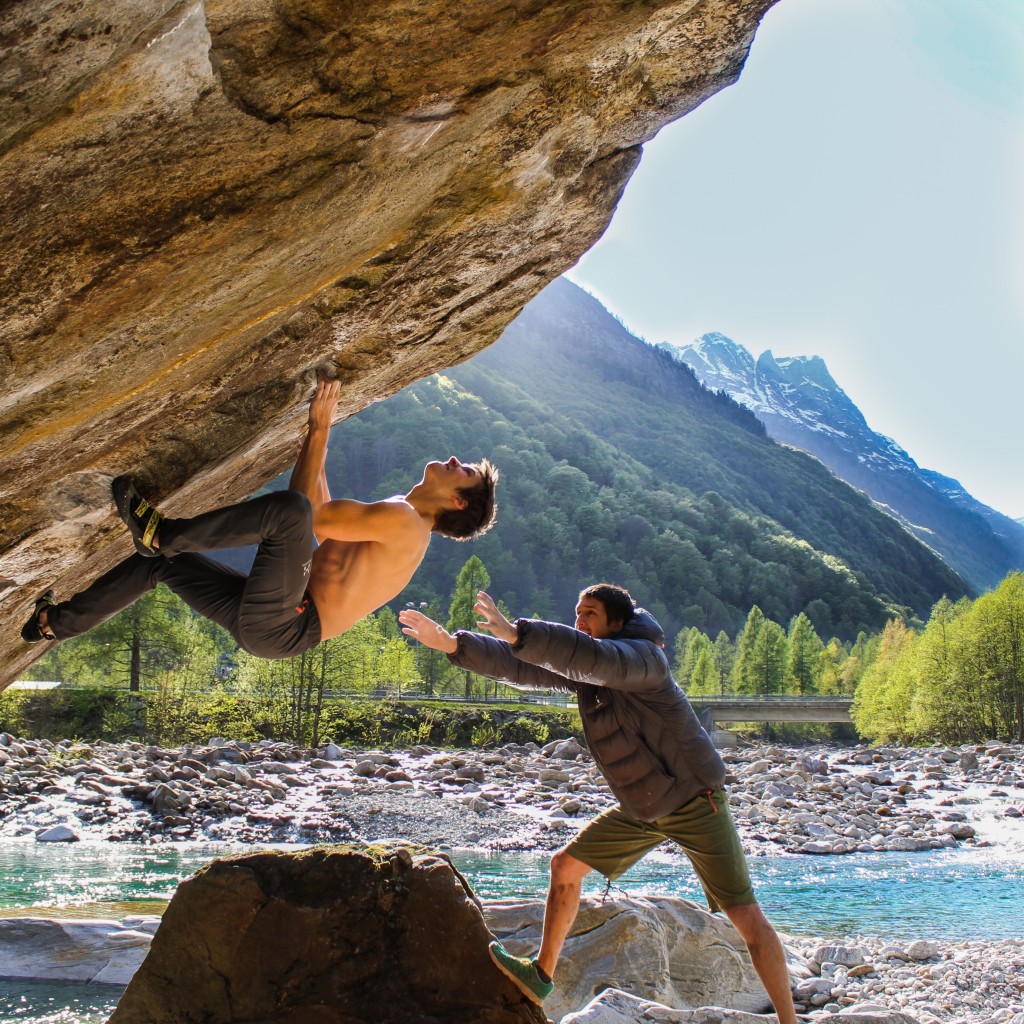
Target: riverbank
{"type": "Point", "coordinates": [815, 801]}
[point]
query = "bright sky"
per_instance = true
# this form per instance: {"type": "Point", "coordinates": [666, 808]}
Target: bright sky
{"type": "Point", "coordinates": [856, 195]}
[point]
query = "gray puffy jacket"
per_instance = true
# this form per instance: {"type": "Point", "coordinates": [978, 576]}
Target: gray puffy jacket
{"type": "Point", "coordinates": [640, 728]}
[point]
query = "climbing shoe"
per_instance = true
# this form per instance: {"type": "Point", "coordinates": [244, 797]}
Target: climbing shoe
{"type": "Point", "coordinates": [139, 516]}
{"type": "Point", "coordinates": [32, 631]}
{"type": "Point", "coordinates": [522, 972]}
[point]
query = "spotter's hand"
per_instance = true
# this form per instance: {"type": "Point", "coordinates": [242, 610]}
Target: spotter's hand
{"type": "Point", "coordinates": [492, 620]}
{"type": "Point", "coordinates": [428, 632]}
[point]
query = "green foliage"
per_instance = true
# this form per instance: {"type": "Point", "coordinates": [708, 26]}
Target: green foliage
{"type": "Point", "coordinates": [881, 706]}
{"type": "Point", "coordinates": [763, 660]}
{"type": "Point", "coordinates": [960, 679]}
{"type": "Point", "coordinates": [744, 673]}
{"type": "Point", "coordinates": [396, 724]}
{"type": "Point", "coordinates": [372, 657]}
{"type": "Point", "coordinates": [60, 714]}
{"type": "Point", "coordinates": [803, 650]}
{"type": "Point", "coordinates": [120, 716]}
{"type": "Point", "coordinates": [158, 637]}
{"type": "Point", "coordinates": [473, 577]}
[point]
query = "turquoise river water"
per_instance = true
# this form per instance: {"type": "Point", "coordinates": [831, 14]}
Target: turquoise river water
{"type": "Point", "coordinates": [951, 894]}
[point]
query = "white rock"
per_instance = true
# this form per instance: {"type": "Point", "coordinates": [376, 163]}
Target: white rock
{"type": "Point", "coordinates": [664, 949]}
{"type": "Point", "coordinates": [99, 952]}
{"type": "Point", "coordinates": [843, 956]}
{"type": "Point", "coordinates": [57, 834]}
{"type": "Point", "coordinates": [614, 1006]}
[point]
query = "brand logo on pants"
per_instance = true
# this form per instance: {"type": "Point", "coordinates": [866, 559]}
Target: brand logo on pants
{"type": "Point", "coordinates": [307, 567]}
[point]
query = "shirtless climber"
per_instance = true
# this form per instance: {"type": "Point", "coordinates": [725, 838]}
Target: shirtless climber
{"type": "Point", "coordinates": [296, 593]}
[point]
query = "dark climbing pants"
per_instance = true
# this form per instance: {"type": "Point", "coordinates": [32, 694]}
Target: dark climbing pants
{"type": "Point", "coordinates": [268, 612]}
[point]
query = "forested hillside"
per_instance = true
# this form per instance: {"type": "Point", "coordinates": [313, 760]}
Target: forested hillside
{"type": "Point", "coordinates": [617, 464]}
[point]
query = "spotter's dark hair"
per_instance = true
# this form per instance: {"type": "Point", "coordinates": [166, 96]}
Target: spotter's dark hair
{"type": "Point", "coordinates": [618, 605]}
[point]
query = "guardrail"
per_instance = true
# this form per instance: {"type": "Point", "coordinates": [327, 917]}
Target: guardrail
{"type": "Point", "coordinates": [774, 698]}
{"type": "Point", "coordinates": [392, 692]}
{"type": "Point", "coordinates": [772, 708]}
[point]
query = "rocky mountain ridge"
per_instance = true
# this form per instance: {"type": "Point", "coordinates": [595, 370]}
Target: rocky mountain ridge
{"type": "Point", "coordinates": [801, 404]}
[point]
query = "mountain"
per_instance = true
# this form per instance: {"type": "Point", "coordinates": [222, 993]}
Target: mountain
{"type": "Point", "coordinates": [618, 464]}
{"type": "Point", "coordinates": [801, 405]}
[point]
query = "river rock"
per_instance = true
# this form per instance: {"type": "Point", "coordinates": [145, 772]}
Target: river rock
{"type": "Point", "coordinates": [96, 951]}
{"type": "Point", "coordinates": [615, 1007]}
{"type": "Point", "coordinates": [334, 935]}
{"type": "Point", "coordinates": [844, 956]}
{"type": "Point", "coordinates": [664, 949]}
{"type": "Point", "coordinates": [922, 949]}
{"type": "Point", "coordinates": [564, 750]}
{"type": "Point", "coordinates": [58, 834]}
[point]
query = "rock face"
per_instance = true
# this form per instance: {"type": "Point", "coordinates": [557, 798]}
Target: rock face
{"type": "Point", "coordinates": [667, 950]}
{"type": "Point", "coordinates": [203, 202]}
{"type": "Point", "coordinates": [330, 936]}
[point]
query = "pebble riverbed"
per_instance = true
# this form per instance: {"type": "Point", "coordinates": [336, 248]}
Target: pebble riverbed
{"type": "Point", "coordinates": [818, 801]}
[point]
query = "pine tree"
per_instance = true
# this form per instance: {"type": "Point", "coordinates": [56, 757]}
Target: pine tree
{"type": "Point", "coordinates": [692, 642]}
{"type": "Point", "coordinates": [804, 646]}
{"type": "Point", "coordinates": [472, 578]}
{"type": "Point", "coordinates": [743, 681]}
{"type": "Point", "coordinates": [766, 668]}
{"type": "Point", "coordinates": [725, 655]}
{"type": "Point", "coordinates": [704, 680]}
{"type": "Point", "coordinates": [995, 626]}
{"type": "Point", "coordinates": [432, 666]}
{"type": "Point", "coordinates": [831, 671]}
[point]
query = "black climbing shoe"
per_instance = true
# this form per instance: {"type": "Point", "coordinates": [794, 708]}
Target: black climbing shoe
{"type": "Point", "coordinates": [139, 516]}
{"type": "Point", "coordinates": [32, 631]}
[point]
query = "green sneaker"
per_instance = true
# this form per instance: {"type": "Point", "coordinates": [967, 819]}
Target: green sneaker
{"type": "Point", "coordinates": [522, 972]}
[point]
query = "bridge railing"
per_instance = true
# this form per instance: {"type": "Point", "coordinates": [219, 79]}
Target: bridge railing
{"type": "Point", "coordinates": [771, 698]}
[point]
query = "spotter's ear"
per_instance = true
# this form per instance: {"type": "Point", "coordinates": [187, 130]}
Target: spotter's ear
{"type": "Point", "coordinates": [459, 502]}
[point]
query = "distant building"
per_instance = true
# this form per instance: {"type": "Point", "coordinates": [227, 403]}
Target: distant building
{"type": "Point", "coordinates": [226, 667]}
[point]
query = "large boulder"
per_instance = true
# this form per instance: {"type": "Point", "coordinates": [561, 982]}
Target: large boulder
{"type": "Point", "coordinates": [205, 201]}
{"type": "Point", "coordinates": [666, 950]}
{"type": "Point", "coordinates": [333, 935]}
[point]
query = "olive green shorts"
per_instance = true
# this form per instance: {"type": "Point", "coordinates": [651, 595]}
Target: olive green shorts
{"type": "Point", "coordinates": [613, 842]}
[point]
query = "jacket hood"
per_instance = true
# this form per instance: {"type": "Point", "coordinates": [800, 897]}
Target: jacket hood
{"type": "Point", "coordinates": [643, 626]}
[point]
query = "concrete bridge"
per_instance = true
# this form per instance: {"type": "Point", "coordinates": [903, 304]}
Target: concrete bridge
{"type": "Point", "coordinates": [769, 708]}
